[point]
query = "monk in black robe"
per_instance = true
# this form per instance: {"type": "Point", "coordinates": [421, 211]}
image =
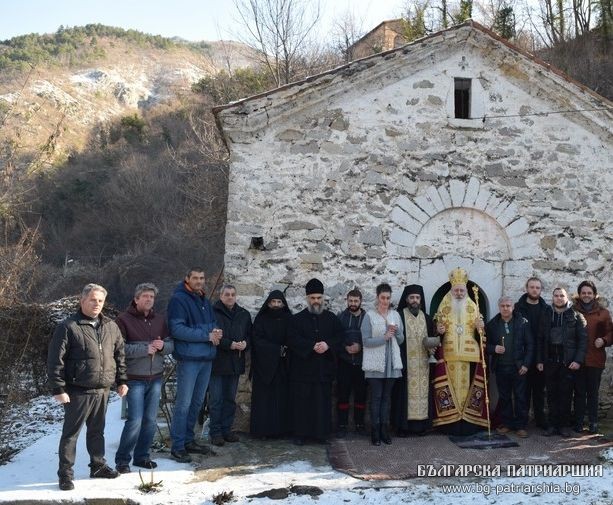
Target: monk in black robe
{"type": "Point", "coordinates": [270, 415]}
{"type": "Point", "coordinates": [313, 336]}
{"type": "Point", "coordinates": [412, 407]}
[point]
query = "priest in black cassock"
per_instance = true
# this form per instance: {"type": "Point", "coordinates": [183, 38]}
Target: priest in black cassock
{"type": "Point", "coordinates": [313, 335]}
{"type": "Point", "coordinates": [270, 414]}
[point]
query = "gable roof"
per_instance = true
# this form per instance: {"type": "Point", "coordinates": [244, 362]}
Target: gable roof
{"type": "Point", "coordinates": [247, 106]}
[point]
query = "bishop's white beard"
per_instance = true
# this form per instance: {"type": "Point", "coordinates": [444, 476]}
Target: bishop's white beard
{"type": "Point", "coordinates": [458, 306]}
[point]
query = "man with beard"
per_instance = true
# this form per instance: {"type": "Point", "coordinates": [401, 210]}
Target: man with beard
{"type": "Point", "coordinates": [411, 398]}
{"type": "Point", "coordinates": [599, 336]}
{"type": "Point", "coordinates": [313, 335]}
{"type": "Point", "coordinates": [532, 306]}
{"type": "Point", "coordinates": [562, 354]}
{"type": "Point", "coordinates": [459, 385]}
{"type": "Point", "coordinates": [350, 376]}
{"type": "Point", "coordinates": [270, 369]}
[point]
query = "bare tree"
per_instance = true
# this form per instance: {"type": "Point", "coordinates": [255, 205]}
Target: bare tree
{"type": "Point", "coordinates": [346, 31]}
{"type": "Point", "coordinates": [278, 30]}
{"type": "Point", "coordinates": [582, 15]}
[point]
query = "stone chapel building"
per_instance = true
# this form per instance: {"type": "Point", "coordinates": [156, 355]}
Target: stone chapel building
{"type": "Point", "coordinates": [458, 149]}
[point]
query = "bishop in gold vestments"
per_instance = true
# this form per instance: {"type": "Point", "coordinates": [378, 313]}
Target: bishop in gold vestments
{"type": "Point", "coordinates": [459, 390]}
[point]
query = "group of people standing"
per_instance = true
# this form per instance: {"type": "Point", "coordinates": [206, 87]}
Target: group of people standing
{"type": "Point", "coordinates": [422, 371]}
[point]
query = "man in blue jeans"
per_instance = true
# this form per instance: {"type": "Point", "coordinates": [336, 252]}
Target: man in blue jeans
{"type": "Point", "coordinates": [147, 342]}
{"type": "Point", "coordinates": [229, 364]}
{"type": "Point", "coordinates": [195, 333]}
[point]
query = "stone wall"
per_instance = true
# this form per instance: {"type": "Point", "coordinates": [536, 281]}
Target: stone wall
{"type": "Point", "coordinates": [363, 175]}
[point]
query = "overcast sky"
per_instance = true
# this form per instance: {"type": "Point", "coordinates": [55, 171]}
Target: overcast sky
{"type": "Point", "coordinates": [189, 19]}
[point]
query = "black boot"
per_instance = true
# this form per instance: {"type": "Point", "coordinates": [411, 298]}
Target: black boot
{"type": "Point", "coordinates": [343, 421]}
{"type": "Point", "coordinates": [385, 434]}
{"type": "Point", "coordinates": [375, 434]}
{"type": "Point", "coordinates": [358, 417]}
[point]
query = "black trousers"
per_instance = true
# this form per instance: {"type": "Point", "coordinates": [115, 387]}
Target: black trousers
{"type": "Point", "coordinates": [587, 385]}
{"type": "Point", "coordinates": [535, 394]}
{"type": "Point", "coordinates": [85, 407]}
{"type": "Point", "coordinates": [512, 397]}
{"type": "Point", "coordinates": [559, 381]}
{"type": "Point", "coordinates": [350, 378]}
{"type": "Point", "coordinates": [380, 400]}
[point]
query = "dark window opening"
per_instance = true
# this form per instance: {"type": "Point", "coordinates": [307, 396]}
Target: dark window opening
{"type": "Point", "coordinates": [462, 98]}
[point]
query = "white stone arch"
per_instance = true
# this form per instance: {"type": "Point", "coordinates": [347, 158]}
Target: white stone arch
{"type": "Point", "coordinates": [419, 244]}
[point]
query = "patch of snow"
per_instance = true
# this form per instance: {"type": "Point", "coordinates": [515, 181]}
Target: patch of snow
{"type": "Point", "coordinates": [10, 97]}
{"type": "Point", "coordinates": [46, 89]}
{"type": "Point", "coordinates": [32, 476]}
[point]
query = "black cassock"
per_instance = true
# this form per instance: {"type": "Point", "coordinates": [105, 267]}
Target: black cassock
{"type": "Point", "coordinates": [270, 414]}
{"type": "Point", "coordinates": [312, 374]}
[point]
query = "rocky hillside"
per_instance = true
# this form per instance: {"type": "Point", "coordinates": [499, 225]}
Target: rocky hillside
{"type": "Point", "coordinates": [56, 89]}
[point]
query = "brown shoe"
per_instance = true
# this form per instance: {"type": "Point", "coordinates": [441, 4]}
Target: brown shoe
{"type": "Point", "coordinates": [502, 430]}
{"type": "Point", "coordinates": [522, 433]}
{"type": "Point", "coordinates": [217, 440]}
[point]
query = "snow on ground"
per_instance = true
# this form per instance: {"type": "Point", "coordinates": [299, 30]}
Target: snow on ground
{"type": "Point", "coordinates": [31, 475]}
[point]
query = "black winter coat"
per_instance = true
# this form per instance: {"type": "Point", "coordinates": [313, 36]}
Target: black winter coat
{"type": "Point", "coordinates": [574, 339]}
{"type": "Point", "coordinates": [87, 357]}
{"type": "Point", "coordinates": [545, 313]}
{"type": "Point", "coordinates": [236, 326]}
{"type": "Point", "coordinates": [523, 343]}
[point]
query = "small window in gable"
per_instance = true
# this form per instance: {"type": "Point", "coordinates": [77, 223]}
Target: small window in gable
{"type": "Point", "coordinates": [462, 98]}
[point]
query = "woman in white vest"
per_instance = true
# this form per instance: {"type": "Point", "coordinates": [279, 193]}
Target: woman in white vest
{"type": "Point", "coordinates": [382, 333]}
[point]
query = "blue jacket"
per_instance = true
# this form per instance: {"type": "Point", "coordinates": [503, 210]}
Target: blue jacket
{"type": "Point", "coordinates": [190, 320]}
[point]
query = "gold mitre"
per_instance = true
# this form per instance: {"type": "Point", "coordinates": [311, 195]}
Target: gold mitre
{"type": "Point", "coordinates": [458, 276]}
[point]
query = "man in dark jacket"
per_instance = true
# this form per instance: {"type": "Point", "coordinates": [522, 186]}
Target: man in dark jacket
{"type": "Point", "coordinates": [229, 364]}
{"type": "Point", "coordinates": [510, 343]}
{"type": "Point", "coordinates": [532, 306]}
{"type": "Point", "coordinates": [193, 327]}
{"type": "Point", "coordinates": [86, 357]}
{"type": "Point", "coordinates": [147, 342]}
{"type": "Point", "coordinates": [350, 376]}
{"type": "Point", "coordinates": [562, 354]}
{"type": "Point", "coordinates": [313, 336]}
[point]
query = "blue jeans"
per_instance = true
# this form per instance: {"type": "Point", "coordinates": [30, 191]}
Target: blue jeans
{"type": "Point", "coordinates": [143, 401]}
{"type": "Point", "coordinates": [192, 381]}
{"type": "Point", "coordinates": [222, 407]}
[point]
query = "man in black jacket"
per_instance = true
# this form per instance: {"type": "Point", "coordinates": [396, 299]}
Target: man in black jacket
{"type": "Point", "coordinates": [86, 357]}
{"type": "Point", "coordinates": [562, 354]}
{"type": "Point", "coordinates": [228, 365]}
{"type": "Point", "coordinates": [532, 306]}
{"type": "Point", "coordinates": [510, 343]}
{"type": "Point", "coordinates": [350, 376]}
